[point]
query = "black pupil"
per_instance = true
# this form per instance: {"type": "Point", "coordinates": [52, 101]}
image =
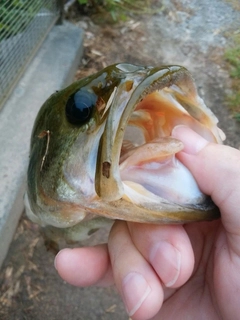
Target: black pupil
{"type": "Point", "coordinates": [79, 106]}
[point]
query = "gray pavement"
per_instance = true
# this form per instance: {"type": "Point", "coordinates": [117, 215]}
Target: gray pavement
{"type": "Point", "coordinates": [52, 68]}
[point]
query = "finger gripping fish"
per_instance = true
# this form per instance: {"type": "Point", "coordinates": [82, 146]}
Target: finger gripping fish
{"type": "Point", "coordinates": [102, 148]}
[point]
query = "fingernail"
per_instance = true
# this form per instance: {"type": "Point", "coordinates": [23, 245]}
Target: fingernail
{"type": "Point", "coordinates": [166, 260]}
{"type": "Point", "coordinates": [60, 253]}
{"type": "Point", "coordinates": [193, 142]}
{"type": "Point", "coordinates": [135, 290]}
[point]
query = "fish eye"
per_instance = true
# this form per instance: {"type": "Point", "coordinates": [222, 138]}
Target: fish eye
{"type": "Point", "coordinates": [79, 106]}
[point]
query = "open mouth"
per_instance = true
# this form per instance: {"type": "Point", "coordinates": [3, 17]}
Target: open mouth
{"type": "Point", "coordinates": [138, 157]}
{"type": "Point", "coordinates": [149, 168]}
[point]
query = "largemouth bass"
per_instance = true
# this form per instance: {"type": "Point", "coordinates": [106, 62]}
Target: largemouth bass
{"type": "Point", "coordinates": [102, 148]}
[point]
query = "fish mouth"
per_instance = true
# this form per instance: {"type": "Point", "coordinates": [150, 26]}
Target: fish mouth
{"type": "Point", "coordinates": [140, 166]}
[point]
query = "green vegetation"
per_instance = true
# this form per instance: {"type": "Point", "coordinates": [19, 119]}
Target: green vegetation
{"type": "Point", "coordinates": [14, 16]}
{"type": "Point", "coordinates": [119, 9]}
{"type": "Point", "coordinates": [232, 55]}
{"type": "Point", "coordinates": [234, 3]}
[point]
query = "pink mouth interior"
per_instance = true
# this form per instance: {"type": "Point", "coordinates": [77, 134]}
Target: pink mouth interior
{"type": "Point", "coordinates": [149, 168]}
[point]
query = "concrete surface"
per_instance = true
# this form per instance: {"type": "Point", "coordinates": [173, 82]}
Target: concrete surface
{"type": "Point", "coordinates": [52, 68]}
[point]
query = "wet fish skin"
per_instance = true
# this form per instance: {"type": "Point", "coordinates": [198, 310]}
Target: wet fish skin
{"type": "Point", "coordinates": [73, 174]}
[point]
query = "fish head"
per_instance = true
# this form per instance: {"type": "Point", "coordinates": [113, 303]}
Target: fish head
{"type": "Point", "coordinates": [103, 147]}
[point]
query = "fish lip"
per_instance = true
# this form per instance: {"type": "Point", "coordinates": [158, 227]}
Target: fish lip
{"type": "Point", "coordinates": [108, 183]}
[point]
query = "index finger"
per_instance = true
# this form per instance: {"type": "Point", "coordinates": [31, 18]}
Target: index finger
{"type": "Point", "coordinates": [216, 169]}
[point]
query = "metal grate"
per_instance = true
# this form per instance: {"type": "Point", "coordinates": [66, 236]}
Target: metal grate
{"type": "Point", "coordinates": [23, 26]}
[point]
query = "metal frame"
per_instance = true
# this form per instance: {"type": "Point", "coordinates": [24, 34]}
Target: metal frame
{"type": "Point", "coordinates": [23, 28]}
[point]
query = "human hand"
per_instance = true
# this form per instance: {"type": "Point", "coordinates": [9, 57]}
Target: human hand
{"type": "Point", "coordinates": [187, 271]}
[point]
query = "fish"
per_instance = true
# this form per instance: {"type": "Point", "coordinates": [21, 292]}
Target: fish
{"type": "Point", "coordinates": [101, 149]}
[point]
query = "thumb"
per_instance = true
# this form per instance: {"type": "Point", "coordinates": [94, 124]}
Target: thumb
{"type": "Point", "coordinates": [216, 169]}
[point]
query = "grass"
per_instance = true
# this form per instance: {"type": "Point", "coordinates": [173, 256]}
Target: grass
{"type": "Point", "coordinates": [232, 56]}
{"type": "Point", "coordinates": [120, 9]}
{"type": "Point", "coordinates": [234, 3]}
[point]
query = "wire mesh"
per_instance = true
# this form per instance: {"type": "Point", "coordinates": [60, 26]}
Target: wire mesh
{"type": "Point", "coordinates": [23, 26]}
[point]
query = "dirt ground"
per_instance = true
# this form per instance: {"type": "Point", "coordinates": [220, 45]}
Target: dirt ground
{"type": "Point", "coordinates": [191, 33]}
